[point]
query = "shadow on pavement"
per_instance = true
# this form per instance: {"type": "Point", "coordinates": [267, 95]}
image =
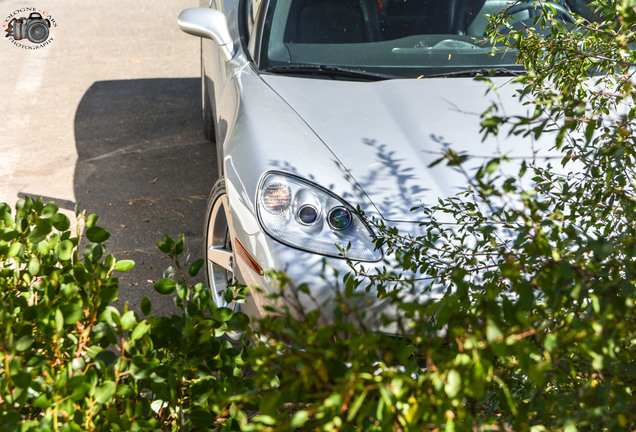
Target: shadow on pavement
{"type": "Point", "coordinates": [144, 167]}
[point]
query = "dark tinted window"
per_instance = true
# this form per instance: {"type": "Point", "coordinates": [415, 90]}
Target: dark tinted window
{"type": "Point", "coordinates": [407, 38]}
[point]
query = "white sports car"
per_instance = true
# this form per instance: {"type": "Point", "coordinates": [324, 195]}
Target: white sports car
{"type": "Point", "coordinates": [320, 107]}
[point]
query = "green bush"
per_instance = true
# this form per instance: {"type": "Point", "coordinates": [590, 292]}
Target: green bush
{"type": "Point", "coordinates": [71, 361]}
{"type": "Point", "coordinates": [536, 330]}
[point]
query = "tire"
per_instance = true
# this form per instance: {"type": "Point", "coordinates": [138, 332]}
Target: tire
{"type": "Point", "coordinates": [219, 254]}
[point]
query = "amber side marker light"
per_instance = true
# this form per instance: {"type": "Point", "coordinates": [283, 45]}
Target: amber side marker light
{"type": "Point", "coordinates": [245, 256]}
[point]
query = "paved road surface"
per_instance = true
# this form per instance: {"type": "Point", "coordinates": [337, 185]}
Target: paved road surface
{"type": "Point", "coordinates": [107, 115]}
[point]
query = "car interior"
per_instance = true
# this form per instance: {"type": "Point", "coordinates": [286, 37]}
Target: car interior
{"type": "Point", "coordinates": [357, 21]}
{"type": "Point", "coordinates": [393, 33]}
{"type": "Point", "coordinates": [332, 21]}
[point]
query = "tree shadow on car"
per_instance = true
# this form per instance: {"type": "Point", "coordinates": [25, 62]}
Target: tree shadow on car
{"type": "Point", "coordinates": [145, 168]}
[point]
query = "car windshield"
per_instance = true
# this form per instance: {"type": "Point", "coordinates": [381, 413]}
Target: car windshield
{"type": "Point", "coordinates": [393, 38]}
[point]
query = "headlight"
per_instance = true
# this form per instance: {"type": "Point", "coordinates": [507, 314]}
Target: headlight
{"type": "Point", "coordinates": [302, 215]}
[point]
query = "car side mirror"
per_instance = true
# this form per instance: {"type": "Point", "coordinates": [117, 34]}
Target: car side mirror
{"type": "Point", "coordinates": [209, 24]}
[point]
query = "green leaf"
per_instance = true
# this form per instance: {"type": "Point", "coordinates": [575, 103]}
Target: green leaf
{"type": "Point", "coordinates": [239, 321]}
{"type": "Point", "coordinates": [61, 222]}
{"type": "Point", "coordinates": [124, 265]}
{"type": "Point", "coordinates": [537, 373]}
{"type": "Point", "coordinates": [128, 320]}
{"type": "Point", "coordinates": [526, 195]}
{"type": "Point", "coordinates": [104, 392]}
{"type": "Point", "coordinates": [201, 417]}
{"type": "Point", "coordinates": [42, 401]}
{"type": "Point", "coordinates": [22, 379]}
{"type": "Point", "coordinates": [24, 343]}
{"type": "Point", "coordinates": [160, 390]}
{"type": "Point", "coordinates": [112, 316]}
{"type": "Point", "coordinates": [551, 342]}
{"type": "Point", "coordinates": [167, 244]}
{"type": "Point", "coordinates": [146, 305]}
{"type": "Point", "coordinates": [492, 166]}
{"type": "Point", "coordinates": [140, 330]}
{"type": "Point", "coordinates": [507, 395]}
{"type": "Point", "coordinates": [42, 228]}
{"type": "Point", "coordinates": [570, 427]}
{"type": "Point", "coordinates": [108, 294]}
{"type": "Point", "coordinates": [436, 162]}
{"type": "Point", "coordinates": [93, 251]}
{"type": "Point", "coordinates": [597, 361]}
{"type": "Point", "coordinates": [493, 334]}
{"type": "Point", "coordinates": [443, 315]}
{"type": "Point", "coordinates": [9, 234]}
{"type": "Point", "coordinates": [91, 220]}
{"type": "Point", "coordinates": [299, 418]}
{"type": "Point", "coordinates": [59, 320]}
{"type": "Point", "coordinates": [196, 267]}
{"type": "Point", "coordinates": [523, 168]}
{"type": "Point", "coordinates": [72, 312]}
{"type": "Point", "coordinates": [222, 314]}
{"type": "Point", "coordinates": [50, 210]}
{"type": "Point", "coordinates": [5, 214]}
{"type": "Point", "coordinates": [80, 386]}
{"type": "Point", "coordinates": [265, 419]}
{"type": "Point", "coordinates": [357, 404]}
{"type": "Point", "coordinates": [453, 383]}
{"type": "Point", "coordinates": [165, 286]}
{"type": "Point", "coordinates": [97, 234]}
{"type": "Point", "coordinates": [64, 250]}
{"type": "Point", "coordinates": [108, 357]}
{"type": "Point", "coordinates": [180, 245]}
{"type": "Point", "coordinates": [14, 250]}
{"type": "Point", "coordinates": [34, 266]}
{"type": "Point", "coordinates": [183, 291]}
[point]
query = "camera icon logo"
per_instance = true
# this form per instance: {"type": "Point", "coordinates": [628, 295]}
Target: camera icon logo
{"type": "Point", "coordinates": [35, 28]}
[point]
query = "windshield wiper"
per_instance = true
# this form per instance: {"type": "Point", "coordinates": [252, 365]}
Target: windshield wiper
{"type": "Point", "coordinates": [330, 71]}
{"type": "Point", "coordinates": [499, 71]}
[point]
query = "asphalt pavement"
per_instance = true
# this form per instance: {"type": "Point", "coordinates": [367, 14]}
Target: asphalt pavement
{"type": "Point", "coordinates": [106, 115]}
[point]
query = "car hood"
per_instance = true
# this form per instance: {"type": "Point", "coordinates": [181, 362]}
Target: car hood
{"type": "Point", "coordinates": [386, 134]}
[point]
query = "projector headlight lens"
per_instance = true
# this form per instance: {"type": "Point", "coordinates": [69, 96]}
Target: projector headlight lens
{"type": "Point", "coordinates": [303, 215]}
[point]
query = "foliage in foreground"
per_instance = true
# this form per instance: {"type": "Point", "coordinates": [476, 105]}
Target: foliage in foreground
{"type": "Point", "coordinates": [69, 360]}
{"type": "Point", "coordinates": [536, 330]}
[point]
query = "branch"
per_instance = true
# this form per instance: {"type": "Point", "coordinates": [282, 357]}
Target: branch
{"type": "Point", "coordinates": [600, 57]}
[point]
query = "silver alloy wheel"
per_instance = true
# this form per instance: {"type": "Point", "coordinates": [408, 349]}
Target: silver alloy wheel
{"type": "Point", "coordinates": [219, 254]}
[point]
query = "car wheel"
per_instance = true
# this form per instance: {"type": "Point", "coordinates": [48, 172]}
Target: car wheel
{"type": "Point", "coordinates": [209, 123]}
{"type": "Point", "coordinates": [218, 250]}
